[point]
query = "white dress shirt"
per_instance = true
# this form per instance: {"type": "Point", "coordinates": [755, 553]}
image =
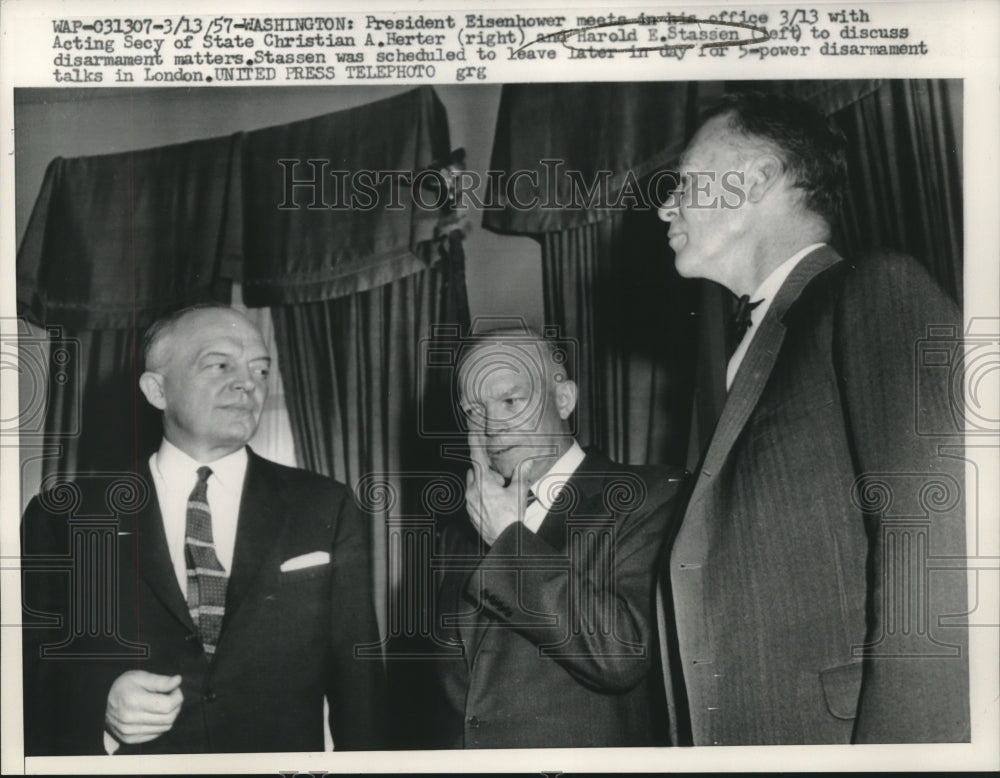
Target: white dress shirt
{"type": "Point", "coordinates": [766, 293]}
{"type": "Point", "coordinates": [547, 488]}
{"type": "Point", "coordinates": [174, 476]}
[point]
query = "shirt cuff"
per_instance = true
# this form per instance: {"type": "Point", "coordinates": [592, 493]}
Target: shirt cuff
{"type": "Point", "coordinates": [110, 744]}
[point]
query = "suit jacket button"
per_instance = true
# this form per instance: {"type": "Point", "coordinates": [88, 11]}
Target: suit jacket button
{"type": "Point", "coordinates": [473, 722]}
{"type": "Point", "coordinates": [210, 696]}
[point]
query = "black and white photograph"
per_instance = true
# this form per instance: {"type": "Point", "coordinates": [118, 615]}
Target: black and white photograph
{"type": "Point", "coordinates": [439, 419]}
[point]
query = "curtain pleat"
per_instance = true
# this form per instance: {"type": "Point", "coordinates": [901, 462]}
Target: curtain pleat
{"type": "Point", "coordinates": [610, 287]}
{"type": "Point", "coordinates": [103, 423]}
{"type": "Point", "coordinates": [905, 165]}
{"type": "Point", "coordinates": [356, 388]}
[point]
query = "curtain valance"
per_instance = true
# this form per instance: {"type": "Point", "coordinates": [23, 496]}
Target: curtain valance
{"type": "Point", "coordinates": [607, 135]}
{"type": "Point", "coordinates": [116, 240]}
{"type": "Point", "coordinates": [359, 228]}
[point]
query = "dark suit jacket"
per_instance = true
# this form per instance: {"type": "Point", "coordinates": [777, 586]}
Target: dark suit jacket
{"type": "Point", "coordinates": [561, 653]}
{"type": "Point", "coordinates": [287, 638]}
{"type": "Point", "coordinates": [810, 606]}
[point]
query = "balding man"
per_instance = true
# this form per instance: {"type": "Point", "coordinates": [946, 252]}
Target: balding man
{"type": "Point", "coordinates": [549, 589]}
{"type": "Point", "coordinates": [243, 585]}
{"type": "Point", "coordinates": [815, 588]}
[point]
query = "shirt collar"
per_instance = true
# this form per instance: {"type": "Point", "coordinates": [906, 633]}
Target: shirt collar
{"type": "Point", "coordinates": [770, 286]}
{"type": "Point", "coordinates": [176, 466]}
{"type": "Point", "coordinates": [549, 485]}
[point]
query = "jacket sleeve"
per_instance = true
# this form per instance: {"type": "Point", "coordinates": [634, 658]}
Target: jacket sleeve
{"type": "Point", "coordinates": [910, 484]}
{"type": "Point", "coordinates": [64, 697]}
{"type": "Point", "coordinates": [356, 687]}
{"type": "Point", "coordinates": [593, 614]}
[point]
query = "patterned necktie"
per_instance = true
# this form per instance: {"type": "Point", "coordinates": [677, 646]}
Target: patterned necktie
{"type": "Point", "coordinates": [206, 578]}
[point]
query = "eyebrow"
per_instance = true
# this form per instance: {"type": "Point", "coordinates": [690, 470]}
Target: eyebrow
{"type": "Point", "coordinates": [213, 352]}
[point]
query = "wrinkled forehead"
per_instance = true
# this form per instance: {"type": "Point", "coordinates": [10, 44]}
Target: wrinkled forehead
{"type": "Point", "coordinates": [491, 364]}
{"type": "Point", "coordinates": [214, 328]}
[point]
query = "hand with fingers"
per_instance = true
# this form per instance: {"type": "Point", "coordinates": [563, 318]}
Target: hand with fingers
{"type": "Point", "coordinates": [492, 505]}
{"type": "Point", "coordinates": [142, 706]}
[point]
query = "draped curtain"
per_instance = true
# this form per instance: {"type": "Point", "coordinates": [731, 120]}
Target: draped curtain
{"type": "Point", "coordinates": [607, 273]}
{"type": "Point", "coordinates": [355, 385]}
{"type": "Point", "coordinates": [905, 163]}
{"type": "Point", "coordinates": [113, 242]}
{"type": "Point", "coordinates": [633, 320]}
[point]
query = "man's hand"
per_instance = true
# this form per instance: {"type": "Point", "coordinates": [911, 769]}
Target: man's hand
{"type": "Point", "coordinates": [492, 506]}
{"type": "Point", "coordinates": [142, 706]}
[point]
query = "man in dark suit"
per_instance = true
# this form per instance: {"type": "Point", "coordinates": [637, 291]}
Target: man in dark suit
{"type": "Point", "coordinates": [215, 597]}
{"type": "Point", "coordinates": [549, 589]}
{"type": "Point", "coordinates": [815, 590]}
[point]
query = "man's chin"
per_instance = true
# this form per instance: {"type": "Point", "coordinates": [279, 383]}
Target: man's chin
{"type": "Point", "coordinates": [685, 265]}
{"type": "Point", "coordinates": [238, 435]}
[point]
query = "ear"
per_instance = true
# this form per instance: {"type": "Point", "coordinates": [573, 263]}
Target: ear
{"type": "Point", "coordinates": [565, 398]}
{"type": "Point", "coordinates": [152, 386]}
{"type": "Point", "coordinates": [762, 175]}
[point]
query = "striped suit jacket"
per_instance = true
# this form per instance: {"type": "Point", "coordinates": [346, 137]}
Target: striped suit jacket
{"type": "Point", "coordinates": [815, 581]}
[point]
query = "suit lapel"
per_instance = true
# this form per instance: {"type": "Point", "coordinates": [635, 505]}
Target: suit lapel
{"type": "Point", "coordinates": [155, 565]}
{"type": "Point", "coordinates": [260, 518]}
{"type": "Point", "coordinates": [757, 367]}
{"type": "Point", "coordinates": [586, 482]}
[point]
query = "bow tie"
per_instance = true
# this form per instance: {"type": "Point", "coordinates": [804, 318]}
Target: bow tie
{"type": "Point", "coordinates": [741, 318]}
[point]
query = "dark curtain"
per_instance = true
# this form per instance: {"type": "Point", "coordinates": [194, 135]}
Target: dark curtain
{"type": "Point", "coordinates": [98, 400]}
{"type": "Point", "coordinates": [553, 130]}
{"type": "Point", "coordinates": [905, 163]}
{"type": "Point", "coordinates": [360, 225]}
{"type": "Point", "coordinates": [355, 385]}
{"type": "Point", "coordinates": [608, 274]}
{"type": "Point", "coordinates": [352, 373]}
{"type": "Point", "coordinates": [116, 240]}
{"type": "Point", "coordinates": [113, 242]}
{"type": "Point", "coordinates": [611, 287]}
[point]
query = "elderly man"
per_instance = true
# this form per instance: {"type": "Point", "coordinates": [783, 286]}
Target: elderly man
{"type": "Point", "coordinates": [805, 607]}
{"type": "Point", "coordinates": [550, 588]}
{"type": "Point", "coordinates": [243, 585]}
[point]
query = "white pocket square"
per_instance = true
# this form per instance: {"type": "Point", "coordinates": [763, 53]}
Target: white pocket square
{"type": "Point", "coordinates": [312, 559]}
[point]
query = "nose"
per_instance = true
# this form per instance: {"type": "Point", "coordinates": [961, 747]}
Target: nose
{"type": "Point", "coordinates": [491, 426]}
{"type": "Point", "coordinates": [244, 380]}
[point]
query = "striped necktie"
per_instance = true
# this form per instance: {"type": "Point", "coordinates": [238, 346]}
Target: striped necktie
{"type": "Point", "coordinates": [206, 578]}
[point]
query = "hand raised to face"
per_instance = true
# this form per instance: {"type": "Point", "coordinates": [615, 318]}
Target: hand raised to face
{"type": "Point", "coordinates": [493, 504]}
